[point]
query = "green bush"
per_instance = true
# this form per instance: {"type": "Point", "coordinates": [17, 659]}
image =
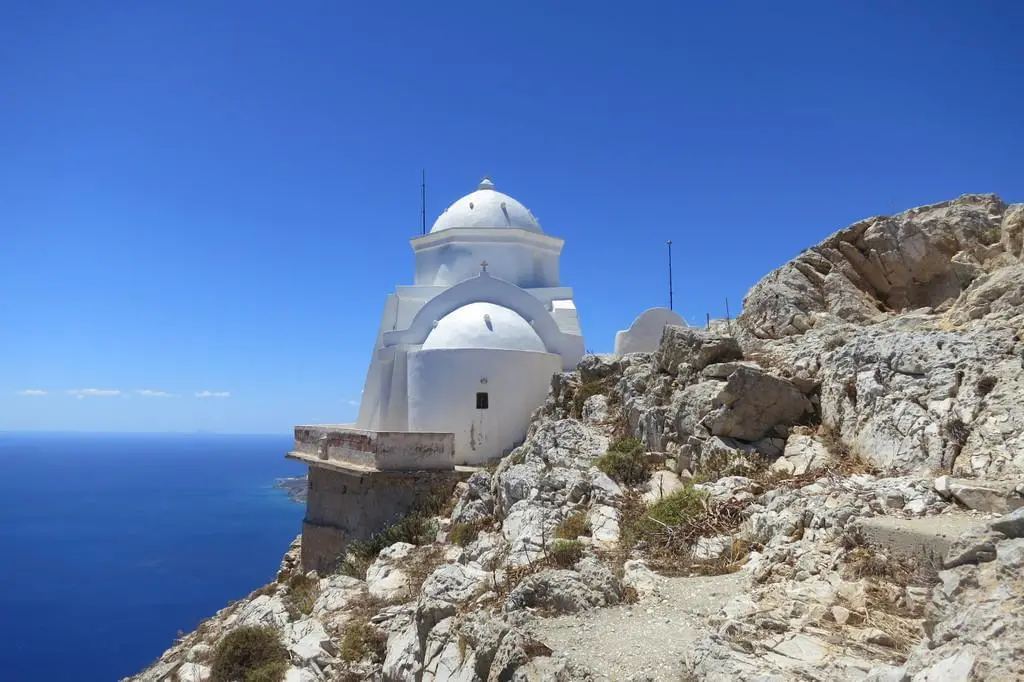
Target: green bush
{"type": "Point", "coordinates": [573, 526]}
{"type": "Point", "coordinates": [639, 523]}
{"type": "Point", "coordinates": [679, 507]}
{"type": "Point", "coordinates": [566, 553]}
{"type": "Point", "coordinates": [249, 654]}
{"type": "Point", "coordinates": [625, 462]}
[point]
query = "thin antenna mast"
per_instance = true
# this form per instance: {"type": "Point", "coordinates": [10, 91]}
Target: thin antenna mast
{"type": "Point", "coordinates": [423, 201]}
{"type": "Point", "coordinates": [669, 242]}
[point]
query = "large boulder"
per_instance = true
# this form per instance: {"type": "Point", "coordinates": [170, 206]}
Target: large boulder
{"type": "Point", "coordinates": [753, 403]}
{"type": "Point", "coordinates": [877, 265]}
{"type": "Point", "coordinates": [694, 347]}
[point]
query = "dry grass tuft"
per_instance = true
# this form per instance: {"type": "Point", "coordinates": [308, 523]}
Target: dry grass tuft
{"type": "Point", "coordinates": [573, 526]}
{"type": "Point", "coordinates": [844, 461]}
{"type": "Point", "coordinates": [565, 553]}
{"type": "Point", "coordinates": [302, 593]}
{"type": "Point", "coordinates": [360, 640]}
{"type": "Point", "coordinates": [665, 532]}
{"type": "Point", "coordinates": [886, 606]}
{"type": "Point", "coordinates": [421, 564]}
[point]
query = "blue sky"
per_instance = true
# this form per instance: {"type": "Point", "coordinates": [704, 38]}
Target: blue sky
{"type": "Point", "coordinates": [211, 200]}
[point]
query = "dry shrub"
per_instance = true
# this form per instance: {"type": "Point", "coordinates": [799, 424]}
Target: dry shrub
{"type": "Point", "coordinates": [361, 641]}
{"type": "Point", "coordinates": [517, 574]}
{"type": "Point", "coordinates": [573, 526]}
{"type": "Point", "coordinates": [302, 593]}
{"type": "Point", "coordinates": [865, 561]}
{"type": "Point", "coordinates": [833, 342]}
{"type": "Point", "coordinates": [887, 577]}
{"type": "Point", "coordinates": [957, 432]}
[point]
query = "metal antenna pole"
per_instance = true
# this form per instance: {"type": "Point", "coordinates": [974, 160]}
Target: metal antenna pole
{"type": "Point", "coordinates": [423, 201]}
{"type": "Point", "coordinates": [669, 242]}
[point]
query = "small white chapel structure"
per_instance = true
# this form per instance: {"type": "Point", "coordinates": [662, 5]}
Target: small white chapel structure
{"type": "Point", "coordinates": [470, 347]}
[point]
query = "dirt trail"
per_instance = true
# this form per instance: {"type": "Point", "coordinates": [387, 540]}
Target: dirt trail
{"type": "Point", "coordinates": [646, 640]}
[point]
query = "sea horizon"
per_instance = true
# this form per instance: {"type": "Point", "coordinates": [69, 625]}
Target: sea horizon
{"type": "Point", "coordinates": [118, 540]}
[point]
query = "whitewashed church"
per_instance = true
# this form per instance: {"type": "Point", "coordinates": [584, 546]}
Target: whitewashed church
{"type": "Point", "coordinates": [470, 347]}
{"type": "Point", "coordinates": [463, 357]}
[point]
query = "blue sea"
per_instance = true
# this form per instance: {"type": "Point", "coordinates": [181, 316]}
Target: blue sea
{"type": "Point", "coordinates": [110, 544]}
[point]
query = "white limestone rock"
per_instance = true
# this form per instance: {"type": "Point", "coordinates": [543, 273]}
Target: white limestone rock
{"type": "Point", "coordinates": [662, 484]}
{"type": "Point", "coordinates": [984, 496]}
{"type": "Point", "coordinates": [894, 263]}
{"type": "Point", "coordinates": [263, 610]}
{"type": "Point", "coordinates": [694, 348]}
{"type": "Point", "coordinates": [595, 410]}
{"type": "Point", "coordinates": [296, 674]}
{"type": "Point", "coordinates": [454, 583]}
{"type": "Point", "coordinates": [385, 577]}
{"type": "Point", "coordinates": [567, 591]}
{"type": "Point", "coordinates": [803, 453]}
{"type": "Point", "coordinates": [604, 524]}
{"type": "Point", "coordinates": [477, 502]}
{"type": "Point", "coordinates": [753, 403]}
{"type": "Point", "coordinates": [336, 594]}
{"type": "Point", "coordinates": [637, 575]}
{"type": "Point", "coordinates": [306, 640]}
{"type": "Point", "coordinates": [193, 672]}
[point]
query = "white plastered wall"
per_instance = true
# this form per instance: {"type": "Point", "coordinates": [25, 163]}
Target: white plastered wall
{"type": "Point", "coordinates": [443, 384]}
{"type": "Point", "coordinates": [644, 335]}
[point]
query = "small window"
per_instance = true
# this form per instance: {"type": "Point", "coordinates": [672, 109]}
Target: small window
{"type": "Point", "coordinates": [481, 401]}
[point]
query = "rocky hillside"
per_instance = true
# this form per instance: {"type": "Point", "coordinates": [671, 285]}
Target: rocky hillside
{"type": "Point", "coordinates": [830, 494]}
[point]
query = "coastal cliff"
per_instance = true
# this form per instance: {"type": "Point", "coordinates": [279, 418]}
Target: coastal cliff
{"type": "Point", "coordinates": [829, 488]}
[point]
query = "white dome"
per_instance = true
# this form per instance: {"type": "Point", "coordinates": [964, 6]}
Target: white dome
{"type": "Point", "coordinates": [484, 325]}
{"type": "Point", "coordinates": [486, 207]}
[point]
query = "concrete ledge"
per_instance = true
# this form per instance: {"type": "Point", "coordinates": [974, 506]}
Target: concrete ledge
{"type": "Point", "coordinates": [355, 448]}
{"type": "Point", "coordinates": [927, 539]}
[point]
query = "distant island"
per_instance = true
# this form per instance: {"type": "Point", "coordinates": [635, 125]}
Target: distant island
{"type": "Point", "coordinates": [295, 487]}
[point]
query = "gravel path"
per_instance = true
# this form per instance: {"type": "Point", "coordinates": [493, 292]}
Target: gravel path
{"type": "Point", "coordinates": [643, 640]}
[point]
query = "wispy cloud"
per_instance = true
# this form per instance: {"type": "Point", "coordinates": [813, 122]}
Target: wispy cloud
{"type": "Point", "coordinates": [149, 393]}
{"type": "Point", "coordinates": [32, 391]}
{"type": "Point", "coordinates": [94, 392]}
{"type": "Point", "coordinates": [213, 394]}
{"type": "Point", "coordinates": [353, 403]}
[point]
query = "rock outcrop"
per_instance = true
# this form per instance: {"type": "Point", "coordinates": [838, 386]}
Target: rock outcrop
{"type": "Point", "coordinates": [847, 458]}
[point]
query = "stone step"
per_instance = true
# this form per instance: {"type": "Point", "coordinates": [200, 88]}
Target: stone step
{"type": "Point", "coordinates": [927, 539]}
